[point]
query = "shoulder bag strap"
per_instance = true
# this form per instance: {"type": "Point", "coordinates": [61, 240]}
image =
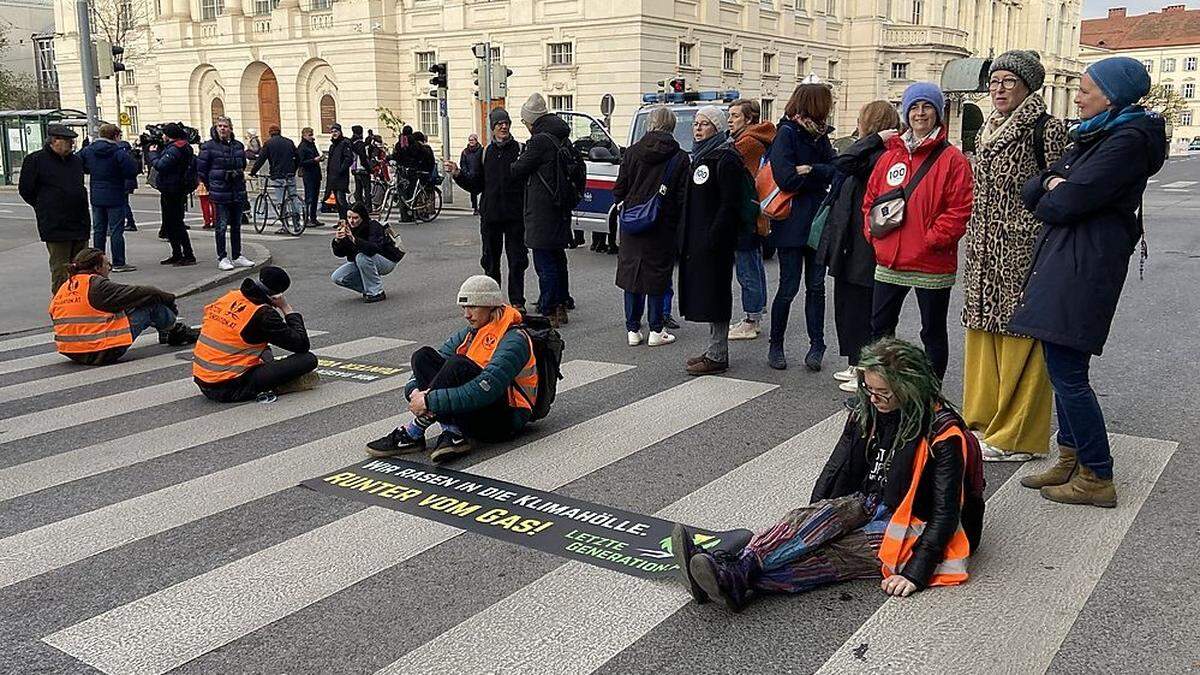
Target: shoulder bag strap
{"type": "Point", "coordinates": [666, 179]}
{"type": "Point", "coordinates": [924, 169]}
{"type": "Point", "coordinates": [1039, 140]}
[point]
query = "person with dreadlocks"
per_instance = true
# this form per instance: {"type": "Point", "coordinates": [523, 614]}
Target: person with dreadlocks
{"type": "Point", "coordinates": [901, 496]}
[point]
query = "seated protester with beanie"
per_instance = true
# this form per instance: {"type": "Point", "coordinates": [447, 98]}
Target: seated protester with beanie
{"type": "Point", "coordinates": [96, 320]}
{"type": "Point", "coordinates": [232, 360]}
{"type": "Point", "coordinates": [482, 383]}
{"type": "Point", "coordinates": [370, 253]}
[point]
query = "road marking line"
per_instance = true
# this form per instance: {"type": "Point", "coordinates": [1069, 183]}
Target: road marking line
{"type": "Point", "coordinates": [27, 341]}
{"type": "Point", "coordinates": [1177, 185]}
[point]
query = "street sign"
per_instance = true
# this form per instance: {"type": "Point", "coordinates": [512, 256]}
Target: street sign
{"type": "Point", "coordinates": [123, 118]}
{"type": "Point", "coordinates": [480, 50]}
{"type": "Point", "coordinates": [607, 105]}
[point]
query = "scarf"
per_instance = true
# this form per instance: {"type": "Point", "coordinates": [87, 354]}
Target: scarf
{"type": "Point", "coordinates": [706, 147]}
{"type": "Point", "coordinates": [912, 142]}
{"type": "Point", "coordinates": [1094, 126]}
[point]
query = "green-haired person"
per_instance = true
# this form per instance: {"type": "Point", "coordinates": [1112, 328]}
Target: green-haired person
{"type": "Point", "coordinates": [894, 500]}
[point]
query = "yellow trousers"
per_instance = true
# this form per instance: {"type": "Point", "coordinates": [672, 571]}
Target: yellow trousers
{"type": "Point", "coordinates": [1006, 391]}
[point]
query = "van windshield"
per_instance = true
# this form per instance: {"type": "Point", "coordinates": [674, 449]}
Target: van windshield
{"type": "Point", "coordinates": [683, 126]}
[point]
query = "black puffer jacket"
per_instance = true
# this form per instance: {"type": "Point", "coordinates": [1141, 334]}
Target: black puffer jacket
{"type": "Point", "coordinates": [547, 225]}
{"type": "Point", "coordinates": [503, 196]}
{"type": "Point", "coordinates": [936, 501]}
{"type": "Point", "coordinates": [844, 249]}
{"type": "Point", "coordinates": [222, 168]}
{"type": "Point", "coordinates": [172, 163]}
{"type": "Point", "coordinates": [53, 186]}
{"type": "Point", "coordinates": [369, 239]}
{"type": "Point", "coordinates": [646, 260]}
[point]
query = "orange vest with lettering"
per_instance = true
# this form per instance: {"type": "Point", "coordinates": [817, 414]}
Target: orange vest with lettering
{"type": "Point", "coordinates": [480, 347]}
{"type": "Point", "coordinates": [80, 328]}
{"type": "Point", "coordinates": [905, 528]}
{"type": "Point", "coordinates": [220, 353]}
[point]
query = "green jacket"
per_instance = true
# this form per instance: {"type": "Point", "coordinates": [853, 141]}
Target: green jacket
{"type": "Point", "coordinates": [510, 357]}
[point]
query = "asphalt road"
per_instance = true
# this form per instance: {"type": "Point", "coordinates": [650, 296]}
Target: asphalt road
{"type": "Point", "coordinates": [138, 541]}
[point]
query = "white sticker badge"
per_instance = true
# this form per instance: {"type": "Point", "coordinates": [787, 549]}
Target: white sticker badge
{"type": "Point", "coordinates": [700, 177]}
{"type": "Point", "coordinates": [896, 174]}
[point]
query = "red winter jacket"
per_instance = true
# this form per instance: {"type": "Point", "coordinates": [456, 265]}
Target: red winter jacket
{"type": "Point", "coordinates": [936, 215]}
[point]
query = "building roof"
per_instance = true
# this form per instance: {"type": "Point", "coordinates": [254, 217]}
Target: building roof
{"type": "Point", "coordinates": [1174, 26]}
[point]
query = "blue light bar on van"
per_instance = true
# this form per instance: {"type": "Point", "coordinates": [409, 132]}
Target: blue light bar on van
{"type": "Point", "coordinates": [689, 96]}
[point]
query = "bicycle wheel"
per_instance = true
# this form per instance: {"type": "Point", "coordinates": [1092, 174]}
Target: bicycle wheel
{"type": "Point", "coordinates": [428, 205]}
{"type": "Point", "coordinates": [260, 215]}
{"type": "Point", "coordinates": [293, 219]}
{"type": "Point", "coordinates": [378, 191]}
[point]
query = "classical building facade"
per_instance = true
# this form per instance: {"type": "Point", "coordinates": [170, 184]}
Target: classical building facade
{"type": "Point", "coordinates": [1167, 43]}
{"type": "Point", "coordinates": [308, 62]}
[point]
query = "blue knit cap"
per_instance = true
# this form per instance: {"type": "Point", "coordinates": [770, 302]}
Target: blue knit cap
{"type": "Point", "coordinates": [1122, 79]}
{"type": "Point", "coordinates": [923, 91]}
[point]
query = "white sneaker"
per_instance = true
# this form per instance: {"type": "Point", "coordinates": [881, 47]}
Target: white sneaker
{"type": "Point", "coordinates": [744, 330]}
{"type": "Point", "coordinates": [848, 375]}
{"type": "Point", "coordinates": [849, 387]}
{"type": "Point", "coordinates": [993, 454]}
{"type": "Point", "coordinates": [635, 338]}
{"type": "Point", "coordinates": [662, 337]}
{"type": "Point", "coordinates": [243, 261]}
{"type": "Point", "coordinates": [224, 264]}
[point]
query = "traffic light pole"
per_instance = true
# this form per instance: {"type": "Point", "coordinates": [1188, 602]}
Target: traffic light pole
{"type": "Point", "coordinates": [443, 109]}
{"type": "Point", "coordinates": [87, 66]}
{"type": "Point", "coordinates": [485, 90]}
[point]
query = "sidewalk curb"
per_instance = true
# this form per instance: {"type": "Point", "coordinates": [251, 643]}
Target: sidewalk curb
{"type": "Point", "coordinates": [261, 253]}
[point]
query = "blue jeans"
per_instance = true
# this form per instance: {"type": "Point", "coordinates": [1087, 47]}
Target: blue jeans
{"type": "Point", "coordinates": [158, 315]}
{"type": "Point", "coordinates": [129, 215]}
{"type": "Point", "coordinates": [793, 262]}
{"type": "Point", "coordinates": [551, 267]}
{"type": "Point", "coordinates": [283, 191]}
{"type": "Point", "coordinates": [312, 195]}
{"type": "Point", "coordinates": [668, 298]}
{"type": "Point", "coordinates": [752, 277]}
{"type": "Point", "coordinates": [365, 274]}
{"type": "Point", "coordinates": [635, 304]}
{"type": "Point", "coordinates": [109, 222]}
{"type": "Point", "coordinates": [229, 217]}
{"type": "Point", "coordinates": [1080, 420]}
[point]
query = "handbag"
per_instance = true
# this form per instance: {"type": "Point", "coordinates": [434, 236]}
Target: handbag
{"type": "Point", "coordinates": [887, 211]}
{"type": "Point", "coordinates": [773, 202]}
{"type": "Point", "coordinates": [818, 226]}
{"type": "Point", "coordinates": [640, 218]}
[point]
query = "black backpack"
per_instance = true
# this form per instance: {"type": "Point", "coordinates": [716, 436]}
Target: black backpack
{"type": "Point", "coordinates": [547, 353]}
{"type": "Point", "coordinates": [570, 175]}
{"type": "Point", "coordinates": [191, 179]}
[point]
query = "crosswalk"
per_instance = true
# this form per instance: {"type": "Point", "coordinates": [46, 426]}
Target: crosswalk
{"type": "Point", "coordinates": [565, 618]}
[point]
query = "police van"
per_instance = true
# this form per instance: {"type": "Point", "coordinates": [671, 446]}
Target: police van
{"type": "Point", "coordinates": [603, 155]}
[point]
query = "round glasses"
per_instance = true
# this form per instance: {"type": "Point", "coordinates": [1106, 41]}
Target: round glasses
{"type": "Point", "coordinates": [1007, 84]}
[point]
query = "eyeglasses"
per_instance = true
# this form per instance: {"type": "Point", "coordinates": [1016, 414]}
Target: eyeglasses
{"type": "Point", "coordinates": [700, 124]}
{"type": "Point", "coordinates": [875, 393]}
{"type": "Point", "coordinates": [1007, 84]}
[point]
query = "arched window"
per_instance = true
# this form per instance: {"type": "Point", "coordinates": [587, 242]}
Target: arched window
{"type": "Point", "coordinates": [218, 109]}
{"type": "Point", "coordinates": [328, 113]}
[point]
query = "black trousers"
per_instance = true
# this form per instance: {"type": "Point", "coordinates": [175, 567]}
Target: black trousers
{"type": "Point", "coordinates": [888, 299]}
{"type": "Point", "coordinates": [263, 378]}
{"type": "Point", "coordinates": [312, 195]}
{"type": "Point", "coordinates": [506, 238]}
{"type": "Point", "coordinates": [362, 188]}
{"type": "Point", "coordinates": [474, 201]}
{"type": "Point", "coordinates": [852, 309]}
{"type": "Point", "coordinates": [431, 370]}
{"type": "Point", "coordinates": [173, 208]}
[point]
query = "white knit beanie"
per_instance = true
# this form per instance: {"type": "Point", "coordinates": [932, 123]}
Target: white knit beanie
{"type": "Point", "coordinates": [533, 109]}
{"type": "Point", "coordinates": [714, 115]}
{"type": "Point", "coordinates": [480, 291]}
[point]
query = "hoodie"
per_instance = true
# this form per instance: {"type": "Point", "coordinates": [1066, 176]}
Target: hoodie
{"type": "Point", "coordinates": [109, 166]}
{"type": "Point", "coordinates": [645, 260]}
{"type": "Point", "coordinates": [222, 169]}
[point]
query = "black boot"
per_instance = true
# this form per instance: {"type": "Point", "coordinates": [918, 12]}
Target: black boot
{"type": "Point", "coordinates": [180, 334]}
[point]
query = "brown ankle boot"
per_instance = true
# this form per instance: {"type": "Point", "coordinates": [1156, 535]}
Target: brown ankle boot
{"type": "Point", "coordinates": [561, 311]}
{"type": "Point", "coordinates": [1058, 474]}
{"type": "Point", "coordinates": [1083, 488]}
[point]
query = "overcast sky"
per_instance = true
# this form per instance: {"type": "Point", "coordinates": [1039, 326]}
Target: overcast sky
{"type": "Point", "coordinates": [1094, 9]}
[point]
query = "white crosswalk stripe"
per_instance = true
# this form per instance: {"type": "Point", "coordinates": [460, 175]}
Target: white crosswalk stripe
{"type": "Point", "coordinates": [171, 627]}
{"type": "Point", "coordinates": [83, 412]}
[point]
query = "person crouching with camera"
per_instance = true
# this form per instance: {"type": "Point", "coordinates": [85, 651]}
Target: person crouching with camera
{"type": "Point", "coordinates": [370, 253]}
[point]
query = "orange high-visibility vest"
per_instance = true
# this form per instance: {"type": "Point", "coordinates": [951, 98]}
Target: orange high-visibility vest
{"type": "Point", "coordinates": [480, 345]}
{"type": "Point", "coordinates": [80, 328]}
{"type": "Point", "coordinates": [220, 353]}
{"type": "Point", "coordinates": [904, 528]}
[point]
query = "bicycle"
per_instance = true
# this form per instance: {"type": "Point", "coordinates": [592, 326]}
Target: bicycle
{"type": "Point", "coordinates": [424, 200]}
{"type": "Point", "coordinates": [289, 214]}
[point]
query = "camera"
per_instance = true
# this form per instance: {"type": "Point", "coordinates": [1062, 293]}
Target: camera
{"type": "Point", "coordinates": [152, 136]}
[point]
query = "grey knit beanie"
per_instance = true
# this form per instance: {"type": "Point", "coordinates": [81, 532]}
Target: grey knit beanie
{"type": "Point", "coordinates": [480, 291]}
{"type": "Point", "coordinates": [534, 109]}
{"type": "Point", "coordinates": [1025, 64]}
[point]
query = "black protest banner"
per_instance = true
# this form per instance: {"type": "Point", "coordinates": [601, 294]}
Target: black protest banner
{"type": "Point", "coordinates": [614, 539]}
{"type": "Point", "coordinates": [355, 371]}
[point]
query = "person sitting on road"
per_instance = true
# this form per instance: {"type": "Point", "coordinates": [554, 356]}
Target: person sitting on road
{"type": "Point", "coordinates": [232, 360]}
{"type": "Point", "coordinates": [481, 383]}
{"type": "Point", "coordinates": [96, 320]}
{"type": "Point", "coordinates": [900, 496]}
{"type": "Point", "coordinates": [370, 253]}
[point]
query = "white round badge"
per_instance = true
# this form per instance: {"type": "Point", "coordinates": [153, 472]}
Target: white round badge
{"type": "Point", "coordinates": [700, 177]}
{"type": "Point", "coordinates": [896, 174]}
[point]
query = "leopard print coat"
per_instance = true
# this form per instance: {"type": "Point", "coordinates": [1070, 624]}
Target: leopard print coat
{"type": "Point", "coordinates": [1002, 233]}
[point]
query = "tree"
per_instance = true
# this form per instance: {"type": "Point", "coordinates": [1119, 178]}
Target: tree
{"type": "Point", "coordinates": [390, 121]}
{"type": "Point", "coordinates": [18, 91]}
{"type": "Point", "coordinates": [1165, 102]}
{"type": "Point", "coordinates": [122, 22]}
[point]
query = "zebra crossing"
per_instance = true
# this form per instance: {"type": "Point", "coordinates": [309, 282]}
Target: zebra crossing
{"type": "Point", "coordinates": [558, 617]}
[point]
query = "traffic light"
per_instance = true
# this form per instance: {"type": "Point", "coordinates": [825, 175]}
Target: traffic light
{"type": "Point", "coordinates": [478, 88]}
{"type": "Point", "coordinates": [500, 74]}
{"type": "Point", "coordinates": [439, 75]}
{"type": "Point", "coordinates": [678, 85]}
{"type": "Point", "coordinates": [106, 56]}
